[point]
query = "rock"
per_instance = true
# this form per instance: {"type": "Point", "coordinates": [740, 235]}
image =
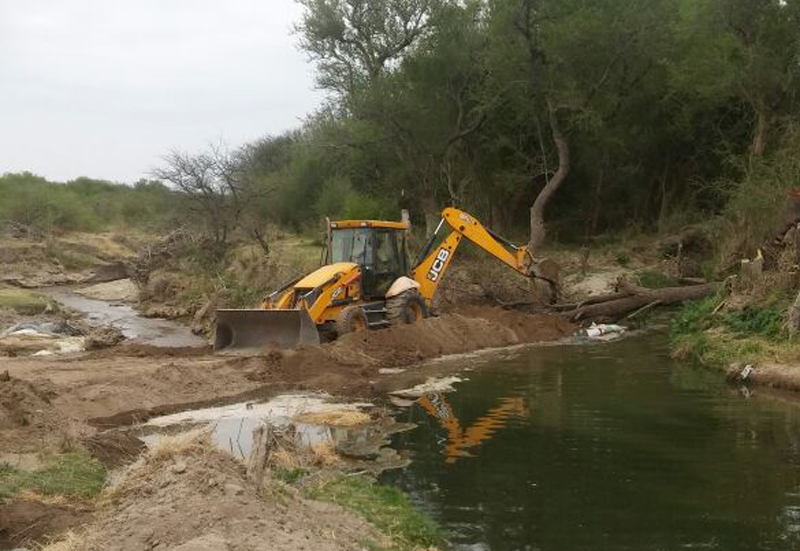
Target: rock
{"type": "Point", "coordinates": [103, 337]}
{"type": "Point", "coordinates": [179, 468]}
{"type": "Point", "coordinates": [4, 376]}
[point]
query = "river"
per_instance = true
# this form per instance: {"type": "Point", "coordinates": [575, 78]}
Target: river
{"type": "Point", "coordinates": [610, 446]}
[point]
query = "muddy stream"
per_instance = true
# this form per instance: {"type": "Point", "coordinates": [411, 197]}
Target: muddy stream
{"type": "Point", "coordinates": [135, 327]}
{"type": "Point", "coordinates": [610, 446]}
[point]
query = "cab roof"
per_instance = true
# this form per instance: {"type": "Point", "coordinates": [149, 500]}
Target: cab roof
{"type": "Point", "coordinates": [346, 224]}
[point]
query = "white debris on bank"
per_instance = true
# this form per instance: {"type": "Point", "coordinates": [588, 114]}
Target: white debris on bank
{"type": "Point", "coordinates": [602, 331]}
{"type": "Point", "coordinates": [428, 387]}
{"type": "Point", "coordinates": [43, 339]}
{"type": "Point", "coordinates": [64, 346]}
{"type": "Point", "coordinates": [280, 408]}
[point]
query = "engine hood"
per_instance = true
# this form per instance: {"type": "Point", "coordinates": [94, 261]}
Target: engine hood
{"type": "Point", "coordinates": [323, 274]}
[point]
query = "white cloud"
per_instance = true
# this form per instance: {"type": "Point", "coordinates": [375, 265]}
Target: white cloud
{"type": "Point", "coordinates": [102, 88]}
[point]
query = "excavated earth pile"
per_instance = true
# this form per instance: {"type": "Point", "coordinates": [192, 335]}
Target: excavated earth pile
{"type": "Point", "coordinates": [186, 495]}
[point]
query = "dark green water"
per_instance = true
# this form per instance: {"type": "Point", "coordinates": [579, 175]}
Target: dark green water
{"type": "Point", "coordinates": [605, 447]}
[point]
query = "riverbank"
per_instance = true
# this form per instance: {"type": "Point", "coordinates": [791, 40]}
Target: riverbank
{"type": "Point", "coordinates": [185, 494]}
{"type": "Point", "coordinates": [742, 335]}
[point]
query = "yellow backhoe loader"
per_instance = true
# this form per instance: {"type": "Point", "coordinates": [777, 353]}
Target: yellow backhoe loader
{"type": "Point", "coordinates": [366, 283]}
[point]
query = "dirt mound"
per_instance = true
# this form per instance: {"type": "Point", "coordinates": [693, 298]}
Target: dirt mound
{"type": "Point", "coordinates": [348, 364]}
{"type": "Point", "coordinates": [28, 417]}
{"type": "Point", "coordinates": [134, 350]}
{"type": "Point", "coordinates": [27, 522]}
{"type": "Point", "coordinates": [188, 495]}
{"type": "Point", "coordinates": [527, 327]}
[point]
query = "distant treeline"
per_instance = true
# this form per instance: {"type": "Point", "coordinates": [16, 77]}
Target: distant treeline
{"type": "Point", "coordinates": [84, 204]}
{"type": "Point", "coordinates": [616, 115]}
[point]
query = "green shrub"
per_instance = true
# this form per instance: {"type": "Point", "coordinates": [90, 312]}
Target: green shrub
{"type": "Point", "coordinates": [23, 301]}
{"type": "Point", "coordinates": [695, 316]}
{"type": "Point", "coordinates": [385, 507]}
{"type": "Point", "coordinates": [767, 321]}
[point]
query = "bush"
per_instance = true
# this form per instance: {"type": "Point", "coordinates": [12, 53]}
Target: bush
{"type": "Point", "coordinates": [84, 204]}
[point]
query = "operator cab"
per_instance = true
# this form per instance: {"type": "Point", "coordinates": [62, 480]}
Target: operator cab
{"type": "Point", "coordinates": [378, 247]}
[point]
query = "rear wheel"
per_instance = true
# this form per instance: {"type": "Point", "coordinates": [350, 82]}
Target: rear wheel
{"type": "Point", "coordinates": [351, 319]}
{"type": "Point", "coordinates": [407, 307]}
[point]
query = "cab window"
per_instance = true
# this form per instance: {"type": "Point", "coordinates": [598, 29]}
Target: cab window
{"type": "Point", "coordinates": [351, 245]}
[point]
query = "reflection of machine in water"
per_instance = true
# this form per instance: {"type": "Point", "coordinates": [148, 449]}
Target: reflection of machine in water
{"type": "Point", "coordinates": [460, 440]}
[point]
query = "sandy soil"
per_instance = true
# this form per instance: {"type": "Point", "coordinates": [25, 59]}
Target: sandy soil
{"type": "Point", "coordinates": [120, 290]}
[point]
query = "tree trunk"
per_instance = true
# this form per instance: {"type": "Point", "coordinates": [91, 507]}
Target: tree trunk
{"type": "Point", "coordinates": [759, 144]}
{"type": "Point", "coordinates": [538, 231]}
{"type": "Point", "coordinates": [430, 209]}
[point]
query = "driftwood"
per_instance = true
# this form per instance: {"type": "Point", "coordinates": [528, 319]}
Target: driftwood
{"type": "Point", "coordinates": [636, 299]}
{"type": "Point", "coordinates": [259, 456]}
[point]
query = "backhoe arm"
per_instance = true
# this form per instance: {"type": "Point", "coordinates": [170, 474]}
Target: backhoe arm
{"type": "Point", "coordinates": [432, 263]}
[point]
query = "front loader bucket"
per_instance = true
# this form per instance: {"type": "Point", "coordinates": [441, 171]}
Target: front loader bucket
{"type": "Point", "coordinates": [255, 328]}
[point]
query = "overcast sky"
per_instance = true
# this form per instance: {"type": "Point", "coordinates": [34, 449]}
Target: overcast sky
{"type": "Point", "coordinates": [103, 88]}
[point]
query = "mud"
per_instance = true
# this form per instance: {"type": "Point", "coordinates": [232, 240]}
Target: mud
{"type": "Point", "coordinates": [76, 397]}
{"type": "Point", "coordinates": [29, 419]}
{"type": "Point", "coordinates": [26, 522]}
{"type": "Point", "coordinates": [114, 448]}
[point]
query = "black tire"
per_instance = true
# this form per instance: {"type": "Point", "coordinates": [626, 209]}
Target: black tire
{"type": "Point", "coordinates": [407, 307]}
{"type": "Point", "coordinates": [351, 319]}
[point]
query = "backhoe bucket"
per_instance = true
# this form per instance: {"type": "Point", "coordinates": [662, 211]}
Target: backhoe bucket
{"type": "Point", "coordinates": [255, 328]}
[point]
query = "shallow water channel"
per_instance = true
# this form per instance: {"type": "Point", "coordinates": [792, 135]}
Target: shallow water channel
{"type": "Point", "coordinates": [152, 331]}
{"type": "Point", "coordinates": [611, 446]}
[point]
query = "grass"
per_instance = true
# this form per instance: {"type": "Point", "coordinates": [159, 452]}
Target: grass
{"type": "Point", "coordinates": [71, 260]}
{"type": "Point", "coordinates": [73, 474]}
{"type": "Point", "coordinates": [703, 333]}
{"type": "Point", "coordinates": [23, 301]}
{"type": "Point", "coordinates": [385, 507]}
{"type": "Point", "coordinates": [653, 279]}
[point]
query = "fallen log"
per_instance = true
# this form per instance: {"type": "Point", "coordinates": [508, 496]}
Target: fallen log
{"type": "Point", "coordinates": [639, 297]}
{"type": "Point", "coordinates": [590, 300]}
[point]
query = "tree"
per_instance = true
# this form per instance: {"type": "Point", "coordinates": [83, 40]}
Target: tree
{"type": "Point", "coordinates": [217, 185]}
{"type": "Point", "coordinates": [353, 41]}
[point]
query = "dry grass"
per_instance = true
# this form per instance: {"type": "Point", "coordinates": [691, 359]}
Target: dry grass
{"type": "Point", "coordinates": [71, 541]}
{"type": "Point", "coordinates": [31, 495]}
{"type": "Point", "coordinates": [168, 447]}
{"type": "Point", "coordinates": [287, 453]}
{"type": "Point", "coordinates": [342, 418]}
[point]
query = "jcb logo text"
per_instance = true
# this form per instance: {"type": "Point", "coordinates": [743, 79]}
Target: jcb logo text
{"type": "Point", "coordinates": [438, 264]}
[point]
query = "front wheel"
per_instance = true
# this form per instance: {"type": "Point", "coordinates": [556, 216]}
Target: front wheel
{"type": "Point", "coordinates": [407, 307]}
{"type": "Point", "coordinates": [351, 319]}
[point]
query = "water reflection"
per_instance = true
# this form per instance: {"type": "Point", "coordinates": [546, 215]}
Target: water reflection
{"type": "Point", "coordinates": [460, 440]}
{"type": "Point", "coordinates": [606, 447]}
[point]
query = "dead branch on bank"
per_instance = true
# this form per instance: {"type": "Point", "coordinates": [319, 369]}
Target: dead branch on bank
{"type": "Point", "coordinates": [633, 299]}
